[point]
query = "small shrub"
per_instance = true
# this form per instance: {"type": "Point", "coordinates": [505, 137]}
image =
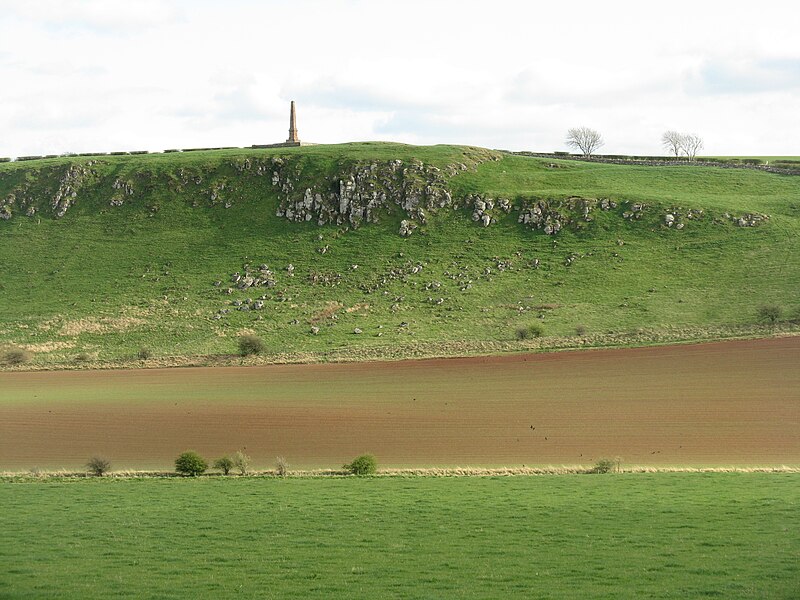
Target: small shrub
{"type": "Point", "coordinates": [580, 330]}
{"type": "Point", "coordinates": [770, 313]}
{"type": "Point", "coordinates": [224, 464]}
{"type": "Point", "coordinates": [281, 466]}
{"type": "Point", "coordinates": [250, 344]}
{"type": "Point", "coordinates": [144, 353]}
{"type": "Point", "coordinates": [529, 331]}
{"type": "Point", "coordinates": [362, 465]}
{"type": "Point", "coordinates": [604, 465]}
{"type": "Point", "coordinates": [241, 462]}
{"type": "Point", "coordinates": [190, 463]}
{"type": "Point", "coordinates": [98, 466]}
{"type": "Point", "coordinates": [82, 358]}
{"type": "Point", "coordinates": [16, 356]}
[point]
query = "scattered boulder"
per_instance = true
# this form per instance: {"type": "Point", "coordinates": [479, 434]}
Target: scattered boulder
{"type": "Point", "coordinates": [407, 227]}
{"type": "Point", "coordinates": [750, 220]}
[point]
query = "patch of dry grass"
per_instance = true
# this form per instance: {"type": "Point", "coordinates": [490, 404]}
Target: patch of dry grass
{"type": "Point", "coordinates": [411, 472]}
{"type": "Point", "coordinates": [100, 325]}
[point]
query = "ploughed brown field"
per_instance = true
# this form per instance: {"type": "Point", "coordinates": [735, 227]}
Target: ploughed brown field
{"type": "Point", "coordinates": [715, 404]}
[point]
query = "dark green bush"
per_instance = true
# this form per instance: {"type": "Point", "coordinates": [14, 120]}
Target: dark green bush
{"type": "Point", "coordinates": [770, 313]}
{"type": "Point", "coordinates": [580, 330]}
{"type": "Point", "coordinates": [190, 463]}
{"type": "Point", "coordinates": [16, 356]}
{"type": "Point", "coordinates": [529, 331]}
{"type": "Point", "coordinates": [224, 464]}
{"type": "Point", "coordinates": [144, 353]}
{"type": "Point", "coordinates": [362, 465]}
{"type": "Point", "coordinates": [250, 344]}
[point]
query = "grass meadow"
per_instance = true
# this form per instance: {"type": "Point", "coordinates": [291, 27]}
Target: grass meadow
{"type": "Point", "coordinates": [99, 284]}
{"type": "Point", "coordinates": [663, 535]}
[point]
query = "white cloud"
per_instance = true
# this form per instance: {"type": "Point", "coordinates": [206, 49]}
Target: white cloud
{"type": "Point", "coordinates": [84, 75]}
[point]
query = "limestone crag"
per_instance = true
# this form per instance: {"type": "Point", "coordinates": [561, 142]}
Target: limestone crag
{"type": "Point", "coordinates": [363, 192]}
{"type": "Point", "coordinates": [75, 176]}
{"type": "Point", "coordinates": [552, 215]}
{"type": "Point", "coordinates": [486, 210]}
{"type": "Point", "coordinates": [345, 193]}
{"type": "Point", "coordinates": [123, 189]}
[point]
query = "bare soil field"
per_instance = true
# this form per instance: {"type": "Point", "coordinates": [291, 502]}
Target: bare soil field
{"type": "Point", "coordinates": [728, 403]}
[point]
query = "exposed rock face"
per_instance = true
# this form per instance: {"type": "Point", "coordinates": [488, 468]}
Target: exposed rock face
{"type": "Point", "coordinates": [407, 227]}
{"type": "Point", "coordinates": [486, 210]}
{"type": "Point", "coordinates": [123, 189]}
{"type": "Point", "coordinates": [635, 211]}
{"type": "Point", "coordinates": [552, 215]}
{"type": "Point", "coordinates": [75, 176]}
{"type": "Point", "coordinates": [360, 193]}
{"type": "Point", "coordinates": [347, 193]}
{"type": "Point", "coordinates": [541, 214]}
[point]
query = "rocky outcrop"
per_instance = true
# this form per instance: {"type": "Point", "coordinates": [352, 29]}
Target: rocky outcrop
{"type": "Point", "coordinates": [73, 179]}
{"type": "Point", "coordinates": [676, 217]}
{"type": "Point", "coordinates": [348, 193]}
{"type": "Point", "coordinates": [552, 215]}
{"type": "Point", "coordinates": [635, 211]}
{"type": "Point", "coordinates": [251, 277]}
{"type": "Point", "coordinates": [747, 219]}
{"type": "Point", "coordinates": [362, 192]}
{"type": "Point", "coordinates": [122, 190]}
{"type": "Point", "coordinates": [486, 210]}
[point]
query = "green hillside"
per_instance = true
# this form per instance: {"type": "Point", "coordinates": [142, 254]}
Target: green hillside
{"type": "Point", "coordinates": [101, 256]}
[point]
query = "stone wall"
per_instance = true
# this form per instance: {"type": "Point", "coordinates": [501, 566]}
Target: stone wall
{"type": "Point", "coordinates": [654, 162]}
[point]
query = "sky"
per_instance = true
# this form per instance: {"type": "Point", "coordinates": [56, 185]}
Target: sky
{"type": "Point", "coordinates": [112, 75]}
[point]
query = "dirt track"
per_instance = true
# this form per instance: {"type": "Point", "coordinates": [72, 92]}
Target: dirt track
{"type": "Point", "coordinates": [728, 403]}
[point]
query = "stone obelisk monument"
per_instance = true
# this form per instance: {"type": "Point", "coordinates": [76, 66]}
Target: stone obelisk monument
{"type": "Point", "coordinates": [293, 137]}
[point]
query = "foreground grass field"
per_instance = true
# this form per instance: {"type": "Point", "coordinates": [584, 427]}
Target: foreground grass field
{"type": "Point", "coordinates": [586, 536]}
{"type": "Point", "coordinates": [102, 282]}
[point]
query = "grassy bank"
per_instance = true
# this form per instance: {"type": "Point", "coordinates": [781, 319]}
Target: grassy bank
{"type": "Point", "coordinates": [651, 535]}
{"type": "Point", "coordinates": [105, 282]}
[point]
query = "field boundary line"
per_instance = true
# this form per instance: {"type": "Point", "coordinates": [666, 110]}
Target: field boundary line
{"type": "Point", "coordinates": [17, 476]}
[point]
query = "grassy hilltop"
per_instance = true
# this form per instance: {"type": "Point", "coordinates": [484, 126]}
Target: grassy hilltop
{"type": "Point", "coordinates": [102, 256]}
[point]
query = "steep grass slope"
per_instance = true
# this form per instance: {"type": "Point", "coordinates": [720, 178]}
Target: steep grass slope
{"type": "Point", "coordinates": [101, 256]}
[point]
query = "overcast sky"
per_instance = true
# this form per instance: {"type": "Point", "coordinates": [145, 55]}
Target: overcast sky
{"type": "Point", "coordinates": [104, 75]}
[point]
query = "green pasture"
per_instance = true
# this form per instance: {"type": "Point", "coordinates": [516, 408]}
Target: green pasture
{"type": "Point", "coordinates": [667, 535]}
{"type": "Point", "coordinates": [102, 282]}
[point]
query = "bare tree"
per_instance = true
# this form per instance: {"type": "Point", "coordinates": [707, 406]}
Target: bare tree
{"type": "Point", "coordinates": [98, 466]}
{"type": "Point", "coordinates": [584, 139]}
{"type": "Point", "coordinates": [691, 144]}
{"type": "Point", "coordinates": [672, 141]}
